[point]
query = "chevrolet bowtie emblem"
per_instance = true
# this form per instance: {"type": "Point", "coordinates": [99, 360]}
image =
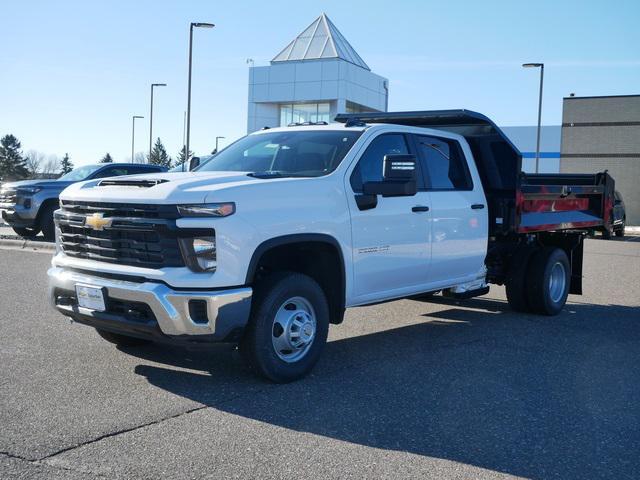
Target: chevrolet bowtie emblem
{"type": "Point", "coordinates": [97, 221]}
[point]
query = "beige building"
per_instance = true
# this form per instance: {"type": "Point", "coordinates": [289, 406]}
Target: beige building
{"type": "Point", "coordinates": [603, 133]}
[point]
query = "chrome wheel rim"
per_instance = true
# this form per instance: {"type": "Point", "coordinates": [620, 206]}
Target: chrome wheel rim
{"type": "Point", "coordinates": [557, 282]}
{"type": "Point", "coordinates": [294, 329]}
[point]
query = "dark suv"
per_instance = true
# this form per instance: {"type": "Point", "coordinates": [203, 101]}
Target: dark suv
{"type": "Point", "coordinates": [28, 205]}
{"type": "Point", "coordinates": [619, 215]}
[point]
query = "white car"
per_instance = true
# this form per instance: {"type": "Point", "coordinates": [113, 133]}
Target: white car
{"type": "Point", "coordinates": [268, 242]}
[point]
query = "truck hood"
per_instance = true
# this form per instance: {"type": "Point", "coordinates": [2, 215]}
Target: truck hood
{"type": "Point", "coordinates": [158, 188]}
{"type": "Point", "coordinates": [37, 183]}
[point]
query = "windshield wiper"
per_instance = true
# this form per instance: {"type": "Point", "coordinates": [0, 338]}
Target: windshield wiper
{"type": "Point", "coordinates": [276, 174]}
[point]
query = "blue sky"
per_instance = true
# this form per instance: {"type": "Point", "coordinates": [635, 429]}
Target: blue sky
{"type": "Point", "coordinates": [75, 71]}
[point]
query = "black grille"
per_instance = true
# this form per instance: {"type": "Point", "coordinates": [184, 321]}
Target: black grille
{"type": "Point", "coordinates": [139, 235]}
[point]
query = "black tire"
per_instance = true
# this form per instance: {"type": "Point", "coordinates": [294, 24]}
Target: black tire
{"type": "Point", "coordinates": [516, 282]}
{"type": "Point", "coordinates": [46, 222]}
{"type": "Point", "coordinates": [121, 340]}
{"type": "Point", "coordinates": [620, 231]}
{"type": "Point", "coordinates": [271, 295]}
{"type": "Point", "coordinates": [540, 281]}
{"type": "Point", "coordinates": [606, 235]}
{"type": "Point", "coordinates": [26, 231]}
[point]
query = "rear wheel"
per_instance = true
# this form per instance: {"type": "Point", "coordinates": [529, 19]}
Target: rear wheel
{"type": "Point", "coordinates": [26, 231]}
{"type": "Point", "coordinates": [548, 281]}
{"type": "Point", "coordinates": [620, 231]}
{"type": "Point", "coordinates": [121, 340]}
{"type": "Point", "coordinates": [288, 327]}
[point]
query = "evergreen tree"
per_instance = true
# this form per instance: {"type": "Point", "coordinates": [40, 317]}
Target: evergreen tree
{"type": "Point", "coordinates": [159, 155]}
{"type": "Point", "coordinates": [66, 164]}
{"type": "Point", "coordinates": [107, 158]}
{"type": "Point", "coordinates": [180, 160]}
{"type": "Point", "coordinates": [12, 164]}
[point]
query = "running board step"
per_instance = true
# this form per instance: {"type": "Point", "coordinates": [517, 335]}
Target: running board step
{"type": "Point", "coordinates": [464, 295]}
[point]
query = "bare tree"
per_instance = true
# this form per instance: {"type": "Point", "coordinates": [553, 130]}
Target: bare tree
{"type": "Point", "coordinates": [140, 157]}
{"type": "Point", "coordinates": [51, 165]}
{"type": "Point", "coordinates": [35, 162]}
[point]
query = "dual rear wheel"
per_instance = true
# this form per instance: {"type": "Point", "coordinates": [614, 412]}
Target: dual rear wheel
{"type": "Point", "coordinates": [539, 281]}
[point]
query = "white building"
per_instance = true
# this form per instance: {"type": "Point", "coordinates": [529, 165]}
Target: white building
{"type": "Point", "coordinates": [315, 77]}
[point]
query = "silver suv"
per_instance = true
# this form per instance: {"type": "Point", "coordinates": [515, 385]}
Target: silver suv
{"type": "Point", "coordinates": [28, 205]}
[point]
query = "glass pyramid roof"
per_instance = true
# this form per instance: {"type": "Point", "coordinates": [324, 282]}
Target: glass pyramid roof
{"type": "Point", "coordinates": [321, 39]}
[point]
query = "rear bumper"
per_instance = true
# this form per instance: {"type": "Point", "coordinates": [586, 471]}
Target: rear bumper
{"type": "Point", "coordinates": [154, 310]}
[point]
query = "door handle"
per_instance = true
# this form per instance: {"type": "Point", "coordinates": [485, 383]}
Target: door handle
{"type": "Point", "coordinates": [477, 206]}
{"type": "Point", "coordinates": [420, 208]}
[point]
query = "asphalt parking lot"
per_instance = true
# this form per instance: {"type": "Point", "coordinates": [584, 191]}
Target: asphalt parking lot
{"type": "Point", "coordinates": [405, 389]}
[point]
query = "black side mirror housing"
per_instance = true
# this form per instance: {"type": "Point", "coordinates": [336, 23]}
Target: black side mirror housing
{"type": "Point", "coordinates": [399, 178]}
{"type": "Point", "coordinates": [194, 162]}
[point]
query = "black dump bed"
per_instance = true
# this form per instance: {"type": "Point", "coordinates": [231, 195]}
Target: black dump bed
{"type": "Point", "coordinates": [518, 202]}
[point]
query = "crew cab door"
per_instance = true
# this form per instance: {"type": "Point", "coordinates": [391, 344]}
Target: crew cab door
{"type": "Point", "coordinates": [391, 250]}
{"type": "Point", "coordinates": [459, 218]}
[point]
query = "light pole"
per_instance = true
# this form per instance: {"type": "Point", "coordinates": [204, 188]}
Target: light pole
{"type": "Point", "coordinates": [541, 66]}
{"type": "Point", "coordinates": [133, 134]}
{"type": "Point", "coordinates": [217, 138]}
{"type": "Point", "coordinates": [151, 115]}
{"type": "Point", "coordinates": [197, 25]}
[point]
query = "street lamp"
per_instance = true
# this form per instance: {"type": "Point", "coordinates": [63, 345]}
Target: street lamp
{"type": "Point", "coordinates": [541, 66]}
{"type": "Point", "coordinates": [216, 150]}
{"type": "Point", "coordinates": [133, 133]}
{"type": "Point", "coordinates": [197, 25]}
{"type": "Point", "coordinates": [151, 115]}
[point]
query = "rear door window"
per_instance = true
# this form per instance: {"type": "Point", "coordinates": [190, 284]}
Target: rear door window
{"type": "Point", "coordinates": [445, 164]}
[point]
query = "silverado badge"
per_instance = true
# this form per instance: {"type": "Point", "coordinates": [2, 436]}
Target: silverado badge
{"type": "Point", "coordinates": [97, 221]}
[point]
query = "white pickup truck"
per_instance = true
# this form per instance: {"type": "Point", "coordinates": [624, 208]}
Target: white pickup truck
{"type": "Point", "coordinates": [268, 242]}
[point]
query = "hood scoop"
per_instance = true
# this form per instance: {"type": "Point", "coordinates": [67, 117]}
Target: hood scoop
{"type": "Point", "coordinates": [131, 182]}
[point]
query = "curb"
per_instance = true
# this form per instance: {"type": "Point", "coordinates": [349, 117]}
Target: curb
{"type": "Point", "coordinates": [10, 244]}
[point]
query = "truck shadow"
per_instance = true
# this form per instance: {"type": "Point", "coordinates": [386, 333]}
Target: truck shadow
{"type": "Point", "coordinates": [519, 394]}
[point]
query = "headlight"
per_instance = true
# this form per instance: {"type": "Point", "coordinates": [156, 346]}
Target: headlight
{"type": "Point", "coordinates": [207, 210]}
{"type": "Point", "coordinates": [199, 253]}
{"type": "Point", "coordinates": [28, 190]}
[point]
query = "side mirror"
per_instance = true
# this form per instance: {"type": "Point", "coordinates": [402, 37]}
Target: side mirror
{"type": "Point", "coordinates": [194, 162]}
{"type": "Point", "coordinates": [399, 177]}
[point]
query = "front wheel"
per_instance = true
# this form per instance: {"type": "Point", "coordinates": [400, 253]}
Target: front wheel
{"type": "Point", "coordinates": [46, 222]}
{"type": "Point", "coordinates": [26, 231]}
{"type": "Point", "coordinates": [620, 231]}
{"type": "Point", "coordinates": [288, 327]}
{"type": "Point", "coordinates": [549, 276]}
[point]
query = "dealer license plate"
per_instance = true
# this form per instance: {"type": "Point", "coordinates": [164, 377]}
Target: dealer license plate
{"type": "Point", "coordinates": [90, 297]}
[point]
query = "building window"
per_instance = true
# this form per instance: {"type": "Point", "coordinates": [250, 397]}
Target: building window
{"type": "Point", "coordinates": [356, 108]}
{"type": "Point", "coordinates": [303, 112]}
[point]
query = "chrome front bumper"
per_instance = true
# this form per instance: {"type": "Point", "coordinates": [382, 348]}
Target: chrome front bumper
{"type": "Point", "coordinates": [227, 310]}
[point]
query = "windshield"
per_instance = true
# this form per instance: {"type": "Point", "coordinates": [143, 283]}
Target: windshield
{"type": "Point", "coordinates": [306, 153]}
{"type": "Point", "coordinates": [80, 173]}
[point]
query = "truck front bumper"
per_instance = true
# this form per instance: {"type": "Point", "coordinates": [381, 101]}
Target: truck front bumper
{"type": "Point", "coordinates": [154, 310]}
{"type": "Point", "coordinates": [15, 218]}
